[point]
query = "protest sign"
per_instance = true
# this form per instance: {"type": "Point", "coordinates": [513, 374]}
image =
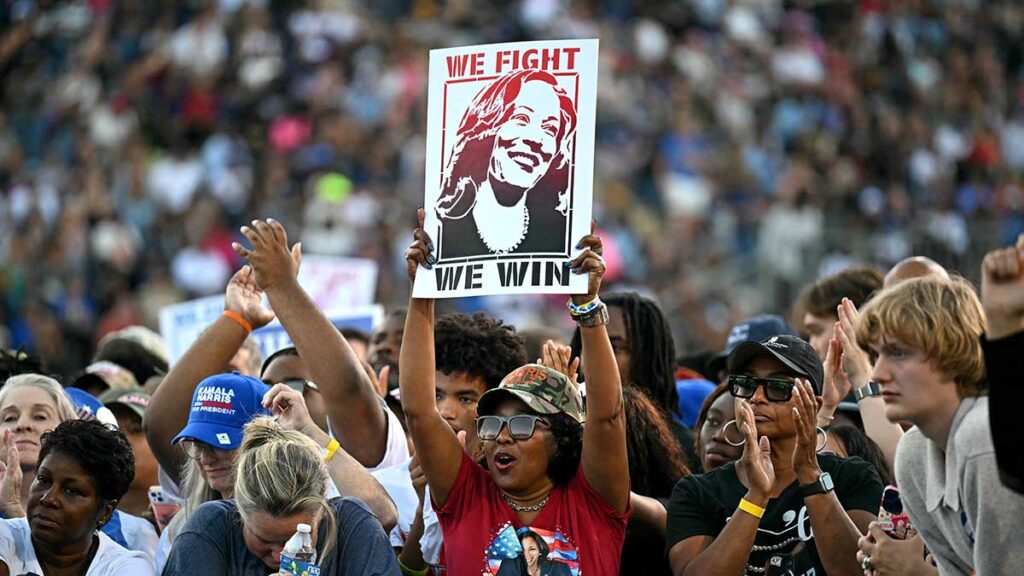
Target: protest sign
{"type": "Point", "coordinates": [343, 286]}
{"type": "Point", "coordinates": [509, 174]}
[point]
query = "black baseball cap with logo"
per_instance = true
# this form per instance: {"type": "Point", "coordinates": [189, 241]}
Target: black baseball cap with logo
{"type": "Point", "coordinates": [793, 352]}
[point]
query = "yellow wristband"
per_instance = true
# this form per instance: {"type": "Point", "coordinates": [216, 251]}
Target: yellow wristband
{"type": "Point", "coordinates": [751, 508]}
{"type": "Point", "coordinates": [410, 572]}
{"type": "Point", "coordinates": [332, 447]}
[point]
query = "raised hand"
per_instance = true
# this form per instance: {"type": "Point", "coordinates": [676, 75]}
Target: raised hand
{"type": "Point", "coordinates": [756, 462]}
{"type": "Point", "coordinates": [589, 262]}
{"type": "Point", "coordinates": [855, 361]}
{"type": "Point", "coordinates": [558, 357]}
{"type": "Point", "coordinates": [10, 479]}
{"type": "Point", "coordinates": [420, 252]}
{"type": "Point", "coordinates": [805, 454]}
{"type": "Point", "coordinates": [271, 259]}
{"type": "Point", "coordinates": [244, 297]}
{"type": "Point", "coordinates": [836, 385]}
{"type": "Point", "coordinates": [1002, 290]}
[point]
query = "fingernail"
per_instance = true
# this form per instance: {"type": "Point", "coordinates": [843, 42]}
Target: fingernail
{"type": "Point", "coordinates": [579, 244]}
{"type": "Point", "coordinates": [431, 260]}
{"type": "Point", "coordinates": [430, 246]}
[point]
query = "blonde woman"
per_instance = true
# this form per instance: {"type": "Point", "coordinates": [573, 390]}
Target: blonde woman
{"type": "Point", "coordinates": [280, 482]}
{"type": "Point", "coordinates": [30, 405]}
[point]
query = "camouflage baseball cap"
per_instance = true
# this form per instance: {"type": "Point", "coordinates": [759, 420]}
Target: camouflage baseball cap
{"type": "Point", "coordinates": [544, 390]}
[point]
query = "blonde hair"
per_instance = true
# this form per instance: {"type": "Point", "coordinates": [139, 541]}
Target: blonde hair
{"type": "Point", "coordinates": [196, 492]}
{"type": "Point", "coordinates": [942, 317]}
{"type": "Point", "coordinates": [280, 473]}
{"type": "Point", "coordinates": [65, 409]}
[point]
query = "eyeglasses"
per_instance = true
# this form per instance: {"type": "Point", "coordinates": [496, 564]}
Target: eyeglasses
{"type": "Point", "coordinates": [520, 426]}
{"type": "Point", "coordinates": [298, 384]}
{"type": "Point", "coordinates": [195, 449]}
{"type": "Point", "coordinates": [775, 389]}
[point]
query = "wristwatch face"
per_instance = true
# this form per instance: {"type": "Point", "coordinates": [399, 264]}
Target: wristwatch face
{"type": "Point", "coordinates": [826, 481]}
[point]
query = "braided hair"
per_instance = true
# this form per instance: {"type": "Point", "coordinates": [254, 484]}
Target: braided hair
{"type": "Point", "coordinates": [651, 348]}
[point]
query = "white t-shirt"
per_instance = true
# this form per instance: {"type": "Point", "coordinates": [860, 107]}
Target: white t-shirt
{"type": "Point", "coordinates": [138, 533]}
{"type": "Point", "coordinates": [398, 483]}
{"type": "Point", "coordinates": [396, 452]}
{"type": "Point", "coordinates": [111, 558]}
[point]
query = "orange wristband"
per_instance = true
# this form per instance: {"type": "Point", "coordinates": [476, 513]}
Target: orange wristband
{"type": "Point", "coordinates": [239, 320]}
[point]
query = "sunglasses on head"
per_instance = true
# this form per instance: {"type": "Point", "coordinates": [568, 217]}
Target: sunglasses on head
{"type": "Point", "coordinates": [520, 426]}
{"type": "Point", "coordinates": [775, 389]}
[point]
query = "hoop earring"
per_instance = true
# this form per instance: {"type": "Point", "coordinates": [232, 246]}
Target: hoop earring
{"type": "Point", "coordinates": [824, 439]}
{"type": "Point", "coordinates": [726, 434]}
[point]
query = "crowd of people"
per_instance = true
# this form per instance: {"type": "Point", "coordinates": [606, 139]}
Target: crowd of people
{"type": "Point", "coordinates": [767, 175]}
{"type": "Point", "coordinates": [135, 137]}
{"type": "Point", "coordinates": [866, 447]}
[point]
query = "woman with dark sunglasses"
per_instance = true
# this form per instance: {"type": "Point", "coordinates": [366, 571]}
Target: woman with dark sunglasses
{"type": "Point", "coordinates": [542, 469]}
{"type": "Point", "coordinates": [782, 498]}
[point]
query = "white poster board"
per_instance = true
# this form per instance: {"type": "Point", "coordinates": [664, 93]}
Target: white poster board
{"type": "Point", "coordinates": [343, 286]}
{"type": "Point", "coordinates": [510, 165]}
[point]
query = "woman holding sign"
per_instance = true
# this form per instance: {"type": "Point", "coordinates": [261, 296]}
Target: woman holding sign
{"type": "Point", "coordinates": [506, 185]}
{"type": "Point", "coordinates": [541, 469]}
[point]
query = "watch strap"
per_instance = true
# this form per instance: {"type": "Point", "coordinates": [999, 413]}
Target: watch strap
{"type": "Point", "coordinates": [868, 390]}
{"type": "Point", "coordinates": [822, 486]}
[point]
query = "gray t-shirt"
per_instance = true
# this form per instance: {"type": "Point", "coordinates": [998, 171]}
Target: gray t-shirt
{"type": "Point", "coordinates": [211, 542]}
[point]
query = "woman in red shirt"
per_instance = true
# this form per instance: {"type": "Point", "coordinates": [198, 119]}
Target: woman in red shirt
{"type": "Point", "coordinates": [541, 469]}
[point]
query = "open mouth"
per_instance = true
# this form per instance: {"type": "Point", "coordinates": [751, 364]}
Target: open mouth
{"type": "Point", "coordinates": [525, 159]}
{"type": "Point", "coordinates": [504, 462]}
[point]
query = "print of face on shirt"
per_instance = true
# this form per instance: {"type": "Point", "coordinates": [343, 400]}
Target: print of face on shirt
{"type": "Point", "coordinates": [531, 551]}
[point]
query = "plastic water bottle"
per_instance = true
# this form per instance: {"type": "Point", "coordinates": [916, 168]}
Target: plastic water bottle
{"type": "Point", "coordinates": [299, 554]}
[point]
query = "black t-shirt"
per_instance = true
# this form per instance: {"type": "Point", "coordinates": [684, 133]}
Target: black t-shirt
{"type": "Point", "coordinates": [702, 504]}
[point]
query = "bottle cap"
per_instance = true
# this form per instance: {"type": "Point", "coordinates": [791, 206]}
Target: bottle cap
{"type": "Point", "coordinates": [304, 528]}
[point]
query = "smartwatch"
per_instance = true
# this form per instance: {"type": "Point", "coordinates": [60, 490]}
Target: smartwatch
{"type": "Point", "coordinates": [822, 486]}
{"type": "Point", "coordinates": [868, 390]}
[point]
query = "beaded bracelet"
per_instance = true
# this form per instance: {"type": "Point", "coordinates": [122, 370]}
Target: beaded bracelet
{"type": "Point", "coordinates": [583, 309]}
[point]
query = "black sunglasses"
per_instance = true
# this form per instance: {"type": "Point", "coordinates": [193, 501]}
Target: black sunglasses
{"type": "Point", "coordinates": [520, 426]}
{"type": "Point", "coordinates": [775, 389]}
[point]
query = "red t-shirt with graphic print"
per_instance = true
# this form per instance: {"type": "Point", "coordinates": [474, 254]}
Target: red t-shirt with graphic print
{"type": "Point", "coordinates": [582, 533]}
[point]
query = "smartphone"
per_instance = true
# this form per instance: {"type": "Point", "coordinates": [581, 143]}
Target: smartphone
{"type": "Point", "coordinates": [893, 516]}
{"type": "Point", "coordinates": [164, 507]}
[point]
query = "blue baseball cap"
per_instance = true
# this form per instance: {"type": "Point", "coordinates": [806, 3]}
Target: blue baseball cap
{"type": "Point", "coordinates": [754, 329]}
{"type": "Point", "coordinates": [692, 393]}
{"type": "Point", "coordinates": [89, 407]}
{"type": "Point", "coordinates": [221, 407]}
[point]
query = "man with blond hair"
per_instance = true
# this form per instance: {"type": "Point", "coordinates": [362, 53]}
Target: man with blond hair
{"type": "Point", "coordinates": [925, 334]}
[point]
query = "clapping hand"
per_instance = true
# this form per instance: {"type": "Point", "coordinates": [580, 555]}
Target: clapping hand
{"type": "Point", "coordinates": [756, 462]}
{"type": "Point", "coordinates": [10, 479]}
{"type": "Point", "coordinates": [1002, 290]}
{"type": "Point", "coordinates": [559, 358]}
{"type": "Point", "coordinates": [245, 298]}
{"type": "Point", "coordinates": [805, 454]}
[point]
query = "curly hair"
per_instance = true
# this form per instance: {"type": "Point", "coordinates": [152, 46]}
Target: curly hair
{"type": "Point", "coordinates": [656, 460]}
{"type": "Point", "coordinates": [651, 347]}
{"type": "Point", "coordinates": [478, 345]}
{"type": "Point", "coordinates": [101, 450]}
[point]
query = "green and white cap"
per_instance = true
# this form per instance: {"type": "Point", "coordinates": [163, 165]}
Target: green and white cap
{"type": "Point", "coordinates": [544, 390]}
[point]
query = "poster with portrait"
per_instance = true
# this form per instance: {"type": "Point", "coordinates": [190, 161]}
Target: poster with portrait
{"type": "Point", "coordinates": [510, 166]}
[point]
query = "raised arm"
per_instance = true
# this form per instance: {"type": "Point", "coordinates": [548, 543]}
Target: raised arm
{"type": "Point", "coordinates": [356, 415]}
{"type": "Point", "coordinates": [210, 354]}
{"type": "Point", "coordinates": [438, 448]}
{"type": "Point", "coordinates": [605, 464]}
{"type": "Point", "coordinates": [350, 476]}
{"type": "Point", "coordinates": [1002, 295]}
{"type": "Point", "coordinates": [858, 368]}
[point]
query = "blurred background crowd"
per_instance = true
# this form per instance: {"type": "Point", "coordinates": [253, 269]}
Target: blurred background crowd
{"type": "Point", "coordinates": [744, 147]}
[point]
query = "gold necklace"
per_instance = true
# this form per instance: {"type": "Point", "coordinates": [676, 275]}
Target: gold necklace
{"type": "Point", "coordinates": [518, 508]}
